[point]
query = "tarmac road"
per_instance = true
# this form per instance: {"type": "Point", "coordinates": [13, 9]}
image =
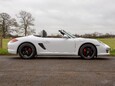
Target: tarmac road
{"type": "Point", "coordinates": [57, 71]}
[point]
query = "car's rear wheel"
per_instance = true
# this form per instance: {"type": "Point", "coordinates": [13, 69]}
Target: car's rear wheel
{"type": "Point", "coordinates": [87, 51]}
{"type": "Point", "coordinates": [27, 51]}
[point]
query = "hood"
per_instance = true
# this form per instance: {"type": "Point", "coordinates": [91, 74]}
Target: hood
{"type": "Point", "coordinates": [87, 40]}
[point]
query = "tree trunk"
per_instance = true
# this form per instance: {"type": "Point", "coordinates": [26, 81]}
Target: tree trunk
{"type": "Point", "coordinates": [4, 33]}
{"type": "Point", "coordinates": [25, 30]}
{"type": "Point", "coordinates": [0, 40]}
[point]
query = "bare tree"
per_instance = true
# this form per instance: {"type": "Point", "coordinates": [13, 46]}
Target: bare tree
{"type": "Point", "coordinates": [13, 26]}
{"type": "Point", "coordinates": [4, 19]}
{"type": "Point", "coordinates": [26, 21]}
{"type": "Point", "coordinates": [5, 22]}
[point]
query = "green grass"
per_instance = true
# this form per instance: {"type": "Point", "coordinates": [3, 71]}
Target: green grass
{"type": "Point", "coordinates": [108, 41]}
{"type": "Point", "coordinates": [4, 50]}
{"type": "Point", "coordinates": [113, 52]}
{"type": "Point", "coordinates": [5, 41]}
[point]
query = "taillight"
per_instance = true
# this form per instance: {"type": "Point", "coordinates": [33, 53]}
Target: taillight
{"type": "Point", "coordinates": [14, 40]}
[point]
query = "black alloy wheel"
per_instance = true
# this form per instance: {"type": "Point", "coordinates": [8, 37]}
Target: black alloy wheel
{"type": "Point", "coordinates": [27, 51]}
{"type": "Point", "coordinates": [88, 51]}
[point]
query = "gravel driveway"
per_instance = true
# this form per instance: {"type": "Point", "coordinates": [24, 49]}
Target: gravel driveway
{"type": "Point", "coordinates": [57, 71]}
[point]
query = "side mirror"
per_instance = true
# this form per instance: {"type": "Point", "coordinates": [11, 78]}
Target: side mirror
{"type": "Point", "coordinates": [65, 36]}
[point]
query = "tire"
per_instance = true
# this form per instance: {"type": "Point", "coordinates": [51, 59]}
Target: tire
{"type": "Point", "coordinates": [87, 51]}
{"type": "Point", "coordinates": [27, 51]}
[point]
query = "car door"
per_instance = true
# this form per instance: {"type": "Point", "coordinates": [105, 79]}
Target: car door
{"type": "Point", "coordinates": [60, 45]}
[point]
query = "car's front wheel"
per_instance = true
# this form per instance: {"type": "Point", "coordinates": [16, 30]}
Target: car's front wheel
{"type": "Point", "coordinates": [87, 51]}
{"type": "Point", "coordinates": [27, 51]}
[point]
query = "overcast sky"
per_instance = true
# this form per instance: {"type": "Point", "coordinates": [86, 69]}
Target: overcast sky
{"type": "Point", "coordinates": [75, 16]}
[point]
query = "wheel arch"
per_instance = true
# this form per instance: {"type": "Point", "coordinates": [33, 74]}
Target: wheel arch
{"type": "Point", "coordinates": [29, 43]}
{"type": "Point", "coordinates": [87, 43]}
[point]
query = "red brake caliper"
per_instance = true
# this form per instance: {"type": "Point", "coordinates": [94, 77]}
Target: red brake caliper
{"type": "Point", "coordinates": [84, 51]}
{"type": "Point", "coordinates": [30, 50]}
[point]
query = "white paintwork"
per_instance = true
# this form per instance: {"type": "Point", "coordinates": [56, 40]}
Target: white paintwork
{"type": "Point", "coordinates": [58, 46]}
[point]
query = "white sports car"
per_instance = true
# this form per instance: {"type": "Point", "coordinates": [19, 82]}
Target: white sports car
{"type": "Point", "coordinates": [30, 46]}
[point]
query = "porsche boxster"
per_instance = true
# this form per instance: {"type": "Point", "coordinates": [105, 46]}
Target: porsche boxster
{"type": "Point", "coordinates": [35, 45]}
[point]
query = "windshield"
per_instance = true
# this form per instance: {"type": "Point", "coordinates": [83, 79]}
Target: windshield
{"type": "Point", "coordinates": [72, 35]}
{"type": "Point", "coordinates": [63, 32]}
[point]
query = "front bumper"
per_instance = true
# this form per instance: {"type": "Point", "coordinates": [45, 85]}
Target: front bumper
{"type": "Point", "coordinates": [103, 49]}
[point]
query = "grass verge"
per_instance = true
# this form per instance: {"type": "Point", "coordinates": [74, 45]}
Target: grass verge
{"type": "Point", "coordinates": [112, 53]}
{"type": "Point", "coordinates": [4, 52]}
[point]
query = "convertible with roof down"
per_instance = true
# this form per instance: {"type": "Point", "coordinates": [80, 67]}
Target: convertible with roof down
{"type": "Point", "coordinates": [30, 46]}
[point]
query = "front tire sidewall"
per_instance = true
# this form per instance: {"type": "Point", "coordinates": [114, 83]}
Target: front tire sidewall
{"type": "Point", "coordinates": [92, 47]}
{"type": "Point", "coordinates": [24, 56]}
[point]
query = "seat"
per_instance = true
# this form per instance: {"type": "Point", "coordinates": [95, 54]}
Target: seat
{"type": "Point", "coordinates": [44, 33]}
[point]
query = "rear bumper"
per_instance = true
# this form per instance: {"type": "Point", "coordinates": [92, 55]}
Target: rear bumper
{"type": "Point", "coordinates": [12, 48]}
{"type": "Point", "coordinates": [12, 51]}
